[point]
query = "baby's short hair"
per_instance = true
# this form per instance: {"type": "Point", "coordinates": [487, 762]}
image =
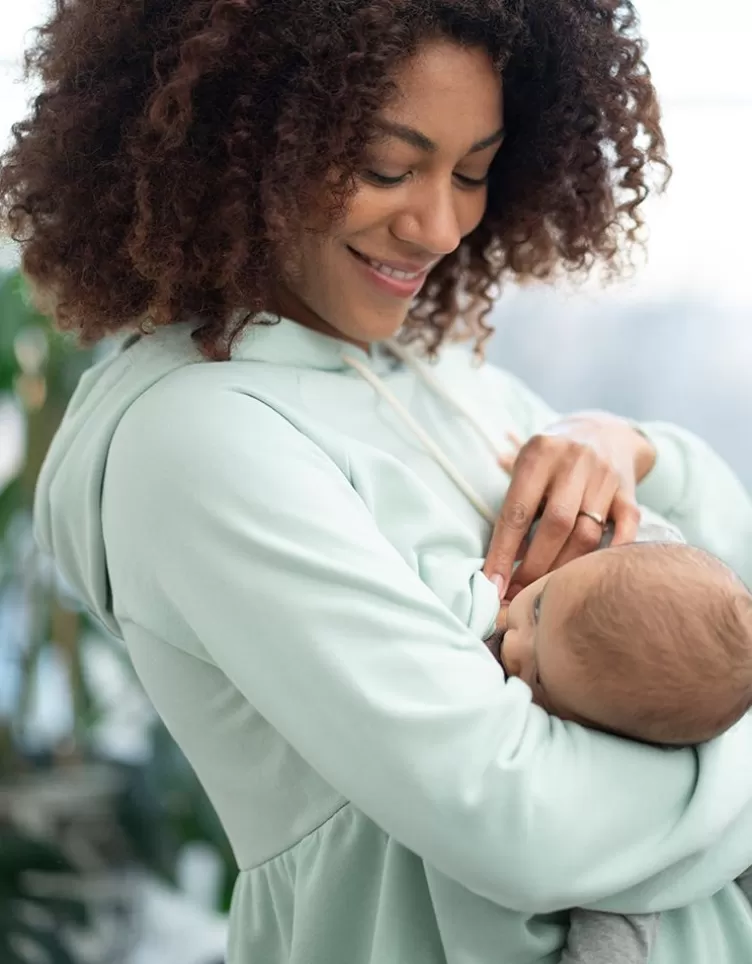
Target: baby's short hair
{"type": "Point", "coordinates": [665, 634]}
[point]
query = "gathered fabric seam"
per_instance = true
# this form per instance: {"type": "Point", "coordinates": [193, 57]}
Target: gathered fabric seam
{"type": "Point", "coordinates": [296, 843]}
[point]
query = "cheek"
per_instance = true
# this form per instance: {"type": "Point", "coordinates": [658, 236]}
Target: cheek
{"type": "Point", "coordinates": [320, 246]}
{"type": "Point", "coordinates": [471, 210]}
{"type": "Point", "coordinates": [370, 208]}
{"type": "Point", "coordinates": [304, 262]}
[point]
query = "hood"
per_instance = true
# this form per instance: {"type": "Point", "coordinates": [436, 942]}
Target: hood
{"type": "Point", "coordinates": [67, 506]}
{"type": "Point", "coordinates": [68, 502]}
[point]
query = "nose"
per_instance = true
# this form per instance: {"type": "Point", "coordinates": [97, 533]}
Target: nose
{"type": "Point", "coordinates": [431, 220]}
{"type": "Point", "coordinates": [511, 655]}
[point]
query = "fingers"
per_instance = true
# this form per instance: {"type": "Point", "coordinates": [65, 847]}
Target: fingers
{"type": "Point", "coordinates": [587, 534]}
{"type": "Point", "coordinates": [530, 479]}
{"type": "Point", "coordinates": [507, 460]}
{"type": "Point", "coordinates": [564, 478]}
{"type": "Point", "coordinates": [556, 526]}
{"type": "Point", "coordinates": [626, 517]}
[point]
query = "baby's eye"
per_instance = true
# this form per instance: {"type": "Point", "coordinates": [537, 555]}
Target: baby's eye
{"type": "Point", "coordinates": [537, 607]}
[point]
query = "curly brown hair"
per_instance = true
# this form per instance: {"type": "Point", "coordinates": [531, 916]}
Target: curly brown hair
{"type": "Point", "coordinates": [175, 141]}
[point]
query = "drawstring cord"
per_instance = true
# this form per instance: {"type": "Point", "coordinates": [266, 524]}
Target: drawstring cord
{"type": "Point", "coordinates": [424, 373]}
{"type": "Point", "coordinates": [440, 457]}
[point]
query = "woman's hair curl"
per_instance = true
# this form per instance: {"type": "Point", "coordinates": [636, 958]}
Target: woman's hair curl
{"type": "Point", "coordinates": [174, 143]}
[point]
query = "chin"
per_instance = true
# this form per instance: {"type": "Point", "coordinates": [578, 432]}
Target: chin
{"type": "Point", "coordinates": [375, 327]}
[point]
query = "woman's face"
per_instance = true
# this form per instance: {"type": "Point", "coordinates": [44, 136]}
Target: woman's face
{"type": "Point", "coordinates": [422, 189]}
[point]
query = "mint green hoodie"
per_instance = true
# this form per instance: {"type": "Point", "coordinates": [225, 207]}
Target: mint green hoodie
{"type": "Point", "coordinates": [297, 583]}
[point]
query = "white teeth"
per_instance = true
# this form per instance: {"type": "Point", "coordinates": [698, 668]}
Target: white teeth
{"type": "Point", "coordinates": [393, 272]}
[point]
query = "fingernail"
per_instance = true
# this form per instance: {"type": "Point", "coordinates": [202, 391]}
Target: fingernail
{"type": "Point", "coordinates": [500, 584]}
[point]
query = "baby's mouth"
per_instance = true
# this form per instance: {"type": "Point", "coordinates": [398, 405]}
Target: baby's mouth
{"type": "Point", "coordinates": [494, 644]}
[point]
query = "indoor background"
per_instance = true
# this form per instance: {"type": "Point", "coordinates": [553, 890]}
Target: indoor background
{"type": "Point", "coordinates": [673, 342]}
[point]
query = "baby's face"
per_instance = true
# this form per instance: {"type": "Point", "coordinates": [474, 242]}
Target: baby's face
{"type": "Point", "coordinates": [627, 674]}
{"type": "Point", "coordinates": [534, 647]}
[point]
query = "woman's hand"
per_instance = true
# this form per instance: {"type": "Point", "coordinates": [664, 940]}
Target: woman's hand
{"type": "Point", "coordinates": [585, 466]}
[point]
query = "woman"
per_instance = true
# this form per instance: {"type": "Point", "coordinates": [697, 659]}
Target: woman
{"type": "Point", "coordinates": [285, 520]}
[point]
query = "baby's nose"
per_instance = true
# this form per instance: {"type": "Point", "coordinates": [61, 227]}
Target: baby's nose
{"type": "Point", "coordinates": [509, 655]}
{"type": "Point", "coordinates": [502, 620]}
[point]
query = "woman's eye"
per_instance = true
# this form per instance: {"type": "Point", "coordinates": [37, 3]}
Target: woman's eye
{"type": "Point", "coordinates": [472, 182]}
{"type": "Point", "coordinates": [381, 180]}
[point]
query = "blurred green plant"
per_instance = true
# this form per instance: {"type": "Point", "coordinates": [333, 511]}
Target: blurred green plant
{"type": "Point", "coordinates": [39, 368]}
{"type": "Point", "coordinates": [32, 924]}
{"type": "Point", "coordinates": [164, 806]}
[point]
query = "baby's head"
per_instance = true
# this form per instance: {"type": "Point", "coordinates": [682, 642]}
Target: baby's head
{"type": "Point", "coordinates": [649, 641]}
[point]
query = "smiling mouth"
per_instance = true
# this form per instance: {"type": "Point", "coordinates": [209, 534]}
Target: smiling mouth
{"type": "Point", "coordinates": [387, 271]}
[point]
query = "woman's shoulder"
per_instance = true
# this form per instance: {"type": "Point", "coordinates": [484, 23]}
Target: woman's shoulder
{"type": "Point", "coordinates": [210, 421]}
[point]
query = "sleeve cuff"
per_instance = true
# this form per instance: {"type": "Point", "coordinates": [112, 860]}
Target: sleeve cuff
{"type": "Point", "coordinates": [663, 488]}
{"type": "Point", "coordinates": [486, 606]}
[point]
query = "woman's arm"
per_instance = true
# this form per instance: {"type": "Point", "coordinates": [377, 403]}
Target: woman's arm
{"type": "Point", "coordinates": [693, 487]}
{"type": "Point", "coordinates": [251, 540]}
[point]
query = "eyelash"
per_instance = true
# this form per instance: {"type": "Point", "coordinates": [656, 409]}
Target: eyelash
{"type": "Point", "coordinates": [382, 181]}
{"type": "Point", "coordinates": [536, 615]}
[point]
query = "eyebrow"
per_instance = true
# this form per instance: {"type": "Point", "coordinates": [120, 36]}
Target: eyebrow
{"type": "Point", "coordinates": [417, 139]}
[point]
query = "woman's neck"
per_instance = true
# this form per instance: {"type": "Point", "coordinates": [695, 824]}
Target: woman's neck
{"type": "Point", "coordinates": [286, 304]}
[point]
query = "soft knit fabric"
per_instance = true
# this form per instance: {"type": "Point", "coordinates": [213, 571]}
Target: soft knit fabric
{"type": "Point", "coordinates": [297, 582]}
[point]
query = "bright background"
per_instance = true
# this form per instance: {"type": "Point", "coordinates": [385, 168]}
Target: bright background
{"type": "Point", "coordinates": [674, 342]}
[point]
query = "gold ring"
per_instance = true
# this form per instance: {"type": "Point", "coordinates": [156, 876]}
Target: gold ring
{"type": "Point", "coordinates": [595, 516]}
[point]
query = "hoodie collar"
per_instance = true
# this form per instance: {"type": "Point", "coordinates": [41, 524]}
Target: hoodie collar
{"type": "Point", "coordinates": [285, 342]}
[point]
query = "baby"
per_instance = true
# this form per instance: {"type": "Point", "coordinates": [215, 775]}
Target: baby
{"type": "Point", "coordinates": [652, 642]}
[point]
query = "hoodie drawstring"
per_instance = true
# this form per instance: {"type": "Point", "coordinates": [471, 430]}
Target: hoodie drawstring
{"type": "Point", "coordinates": [439, 456]}
{"type": "Point", "coordinates": [427, 376]}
